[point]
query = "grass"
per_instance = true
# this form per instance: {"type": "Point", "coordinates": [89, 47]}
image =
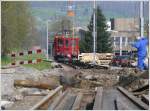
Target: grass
{"type": "Point", "coordinates": [5, 60]}
{"type": "Point", "coordinates": [39, 66]}
{"type": "Point", "coordinates": [31, 57]}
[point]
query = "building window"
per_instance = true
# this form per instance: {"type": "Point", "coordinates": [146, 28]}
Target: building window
{"type": "Point", "coordinates": [117, 41]}
{"type": "Point", "coordinates": [60, 42]}
{"type": "Point", "coordinates": [130, 41]}
{"type": "Point", "coordinates": [124, 41]}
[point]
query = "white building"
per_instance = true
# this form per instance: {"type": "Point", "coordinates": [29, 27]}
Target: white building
{"type": "Point", "coordinates": [123, 33]}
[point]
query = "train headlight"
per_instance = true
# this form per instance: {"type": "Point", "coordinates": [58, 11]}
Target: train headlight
{"type": "Point", "coordinates": [68, 55]}
{"type": "Point", "coordinates": [58, 53]}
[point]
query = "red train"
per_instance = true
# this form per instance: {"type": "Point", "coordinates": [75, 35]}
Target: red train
{"type": "Point", "coordinates": [65, 47]}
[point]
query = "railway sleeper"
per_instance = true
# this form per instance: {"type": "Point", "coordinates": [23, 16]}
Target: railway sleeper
{"type": "Point", "coordinates": [67, 102]}
{"type": "Point", "coordinates": [121, 99]}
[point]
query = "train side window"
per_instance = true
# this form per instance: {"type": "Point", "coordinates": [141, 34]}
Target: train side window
{"type": "Point", "coordinates": [60, 42]}
{"type": "Point", "coordinates": [67, 43]}
{"type": "Point", "coordinates": [73, 43]}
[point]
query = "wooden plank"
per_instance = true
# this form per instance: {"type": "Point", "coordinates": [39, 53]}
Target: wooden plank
{"type": "Point", "coordinates": [32, 94]}
{"type": "Point", "coordinates": [66, 103]}
{"type": "Point", "coordinates": [142, 88]}
{"type": "Point", "coordinates": [145, 99]}
{"type": "Point", "coordinates": [119, 105]}
{"type": "Point", "coordinates": [138, 93]}
{"type": "Point", "coordinates": [98, 99]}
{"type": "Point", "coordinates": [110, 95]}
{"type": "Point", "coordinates": [47, 98]}
{"type": "Point", "coordinates": [31, 83]}
{"type": "Point", "coordinates": [88, 91]}
{"type": "Point", "coordinates": [134, 99]}
{"type": "Point", "coordinates": [57, 101]}
{"type": "Point", "coordinates": [69, 103]}
{"type": "Point", "coordinates": [76, 105]}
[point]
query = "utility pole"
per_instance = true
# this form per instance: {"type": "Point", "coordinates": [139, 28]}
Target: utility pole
{"type": "Point", "coordinates": [121, 46]}
{"type": "Point", "coordinates": [47, 40]}
{"type": "Point", "coordinates": [141, 20]}
{"type": "Point", "coordinates": [71, 13]}
{"type": "Point", "coordinates": [94, 33]}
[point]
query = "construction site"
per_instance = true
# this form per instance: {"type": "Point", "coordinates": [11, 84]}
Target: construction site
{"type": "Point", "coordinates": [98, 64]}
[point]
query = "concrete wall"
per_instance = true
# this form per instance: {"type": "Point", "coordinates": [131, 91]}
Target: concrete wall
{"type": "Point", "coordinates": [127, 24]}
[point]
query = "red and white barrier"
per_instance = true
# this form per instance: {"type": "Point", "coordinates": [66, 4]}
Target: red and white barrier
{"type": "Point", "coordinates": [21, 62]}
{"type": "Point", "coordinates": [26, 62]}
{"type": "Point", "coordinates": [38, 51]}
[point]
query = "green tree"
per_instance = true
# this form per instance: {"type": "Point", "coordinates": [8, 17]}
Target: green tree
{"type": "Point", "coordinates": [9, 28]}
{"type": "Point", "coordinates": [103, 43]}
{"type": "Point", "coordinates": [16, 26]}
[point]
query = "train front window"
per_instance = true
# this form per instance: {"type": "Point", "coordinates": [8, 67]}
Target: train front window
{"type": "Point", "coordinates": [72, 43]}
{"type": "Point", "coordinates": [67, 43]}
{"type": "Point", "coordinates": [60, 42]}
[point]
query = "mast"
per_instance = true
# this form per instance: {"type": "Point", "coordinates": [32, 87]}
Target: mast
{"type": "Point", "coordinates": [94, 32]}
{"type": "Point", "coordinates": [71, 14]}
{"type": "Point", "coordinates": [141, 20]}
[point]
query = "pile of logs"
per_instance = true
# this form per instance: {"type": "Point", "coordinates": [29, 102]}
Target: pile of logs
{"type": "Point", "coordinates": [101, 58]}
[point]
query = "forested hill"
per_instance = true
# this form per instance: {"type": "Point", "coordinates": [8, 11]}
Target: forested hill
{"type": "Point", "coordinates": [53, 9]}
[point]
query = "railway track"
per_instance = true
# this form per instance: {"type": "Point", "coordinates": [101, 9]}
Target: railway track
{"type": "Point", "coordinates": [82, 65]}
{"type": "Point", "coordinates": [67, 100]}
{"type": "Point", "coordinates": [117, 99]}
{"type": "Point", "coordinates": [104, 99]}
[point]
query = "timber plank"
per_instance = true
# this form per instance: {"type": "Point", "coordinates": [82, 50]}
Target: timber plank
{"type": "Point", "coordinates": [57, 101]}
{"type": "Point", "coordinates": [145, 99]}
{"type": "Point", "coordinates": [141, 88]}
{"type": "Point", "coordinates": [120, 105]}
{"type": "Point", "coordinates": [47, 98]}
{"type": "Point", "coordinates": [67, 102]}
{"type": "Point", "coordinates": [76, 105]}
{"type": "Point", "coordinates": [134, 99]}
{"type": "Point", "coordinates": [98, 99]}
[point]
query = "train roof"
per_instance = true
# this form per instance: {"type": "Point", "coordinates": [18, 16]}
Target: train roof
{"type": "Point", "coordinates": [65, 36]}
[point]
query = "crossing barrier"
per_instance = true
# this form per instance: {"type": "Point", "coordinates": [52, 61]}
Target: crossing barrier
{"type": "Point", "coordinates": [25, 53]}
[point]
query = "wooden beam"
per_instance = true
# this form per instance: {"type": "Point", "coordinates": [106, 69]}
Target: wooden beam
{"type": "Point", "coordinates": [57, 101]}
{"type": "Point", "coordinates": [119, 105]}
{"type": "Point", "coordinates": [47, 98]}
{"type": "Point", "coordinates": [138, 93]}
{"type": "Point", "coordinates": [67, 102]}
{"type": "Point", "coordinates": [35, 84]}
{"type": "Point", "coordinates": [98, 99]}
{"type": "Point", "coordinates": [141, 88]}
{"type": "Point", "coordinates": [88, 91]}
{"type": "Point", "coordinates": [76, 105]}
{"type": "Point", "coordinates": [134, 99]}
{"type": "Point", "coordinates": [32, 94]}
{"type": "Point", "coordinates": [145, 99]}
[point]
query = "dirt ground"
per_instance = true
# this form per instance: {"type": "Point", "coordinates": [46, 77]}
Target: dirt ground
{"type": "Point", "coordinates": [86, 79]}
